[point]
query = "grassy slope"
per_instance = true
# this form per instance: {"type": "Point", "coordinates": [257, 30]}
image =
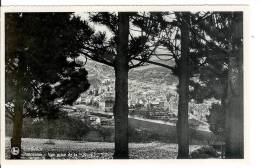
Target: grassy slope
{"type": "Point", "coordinates": [64, 149]}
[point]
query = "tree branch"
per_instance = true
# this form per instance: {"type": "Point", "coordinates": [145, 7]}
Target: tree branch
{"type": "Point", "coordinates": [155, 63]}
{"type": "Point", "coordinates": [136, 65]}
{"type": "Point", "coordinates": [103, 61]}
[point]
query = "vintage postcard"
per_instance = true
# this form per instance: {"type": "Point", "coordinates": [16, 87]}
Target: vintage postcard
{"type": "Point", "coordinates": [84, 83]}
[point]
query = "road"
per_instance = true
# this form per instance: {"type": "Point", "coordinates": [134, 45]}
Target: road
{"type": "Point", "coordinates": [202, 133]}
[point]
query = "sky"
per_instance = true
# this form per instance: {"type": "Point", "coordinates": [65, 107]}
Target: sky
{"type": "Point", "coordinates": [102, 28]}
{"type": "Point", "coordinates": [97, 27]}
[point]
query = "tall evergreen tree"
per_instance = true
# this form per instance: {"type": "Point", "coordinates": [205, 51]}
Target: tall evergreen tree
{"type": "Point", "coordinates": [182, 123]}
{"type": "Point", "coordinates": [121, 92]}
{"type": "Point", "coordinates": [222, 73]}
{"type": "Point", "coordinates": [235, 108]}
{"type": "Point", "coordinates": [176, 38]}
{"type": "Point", "coordinates": [123, 51]}
{"type": "Point", "coordinates": [192, 53]}
{"type": "Point", "coordinates": [38, 47]}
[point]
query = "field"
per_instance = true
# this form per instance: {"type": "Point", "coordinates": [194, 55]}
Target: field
{"type": "Point", "coordinates": [64, 149]}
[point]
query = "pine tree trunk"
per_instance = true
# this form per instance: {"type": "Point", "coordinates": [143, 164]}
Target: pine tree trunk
{"type": "Point", "coordinates": [182, 124]}
{"type": "Point", "coordinates": [121, 90]}
{"type": "Point", "coordinates": [223, 133]}
{"type": "Point", "coordinates": [234, 112]}
{"type": "Point", "coordinates": [49, 130]}
{"type": "Point", "coordinates": [17, 129]}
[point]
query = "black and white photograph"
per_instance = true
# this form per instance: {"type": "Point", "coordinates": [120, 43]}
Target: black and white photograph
{"type": "Point", "coordinates": [144, 84]}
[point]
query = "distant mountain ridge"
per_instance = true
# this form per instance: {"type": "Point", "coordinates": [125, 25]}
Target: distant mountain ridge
{"type": "Point", "coordinates": [149, 73]}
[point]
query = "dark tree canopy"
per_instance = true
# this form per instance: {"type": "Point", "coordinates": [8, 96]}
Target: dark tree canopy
{"type": "Point", "coordinates": [144, 31]}
{"type": "Point", "coordinates": [41, 53]}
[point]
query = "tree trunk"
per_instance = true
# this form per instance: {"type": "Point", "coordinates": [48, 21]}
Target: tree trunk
{"type": "Point", "coordinates": [234, 112]}
{"type": "Point", "coordinates": [182, 124]}
{"type": "Point", "coordinates": [223, 133]}
{"type": "Point", "coordinates": [50, 130]}
{"type": "Point", "coordinates": [121, 90]}
{"type": "Point", "coordinates": [17, 129]}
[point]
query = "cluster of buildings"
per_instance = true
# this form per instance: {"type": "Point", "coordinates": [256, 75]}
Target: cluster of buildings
{"type": "Point", "coordinates": [144, 99]}
{"type": "Point", "coordinates": [151, 99]}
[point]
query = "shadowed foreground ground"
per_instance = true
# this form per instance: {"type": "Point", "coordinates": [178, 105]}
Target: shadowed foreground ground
{"type": "Point", "coordinates": [65, 149]}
